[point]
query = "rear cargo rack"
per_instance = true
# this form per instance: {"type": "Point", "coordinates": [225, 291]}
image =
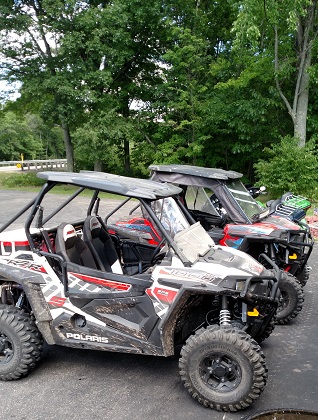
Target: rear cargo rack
{"type": "Point", "coordinates": [289, 212]}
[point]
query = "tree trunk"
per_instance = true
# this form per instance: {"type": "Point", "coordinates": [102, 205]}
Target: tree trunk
{"type": "Point", "coordinates": [98, 166]}
{"type": "Point", "coordinates": [126, 156]}
{"type": "Point", "coordinates": [304, 43]}
{"type": "Point", "coordinates": [301, 112]}
{"type": "Point", "coordinates": [68, 146]}
{"type": "Point", "coordinates": [302, 94]}
{"type": "Point", "coordinates": [125, 110]}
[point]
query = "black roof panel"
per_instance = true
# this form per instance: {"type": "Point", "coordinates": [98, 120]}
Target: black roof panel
{"type": "Point", "coordinates": [212, 173]}
{"type": "Point", "coordinates": [116, 184]}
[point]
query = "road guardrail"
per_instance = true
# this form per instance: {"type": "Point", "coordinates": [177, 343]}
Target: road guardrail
{"type": "Point", "coordinates": [28, 165]}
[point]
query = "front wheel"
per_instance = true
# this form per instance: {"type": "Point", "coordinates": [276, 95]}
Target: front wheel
{"type": "Point", "coordinates": [21, 343]}
{"type": "Point", "coordinates": [223, 368]}
{"type": "Point", "coordinates": [291, 298]}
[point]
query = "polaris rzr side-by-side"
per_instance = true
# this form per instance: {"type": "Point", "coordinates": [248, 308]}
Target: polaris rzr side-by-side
{"type": "Point", "coordinates": [67, 279]}
{"type": "Point", "coordinates": [218, 199]}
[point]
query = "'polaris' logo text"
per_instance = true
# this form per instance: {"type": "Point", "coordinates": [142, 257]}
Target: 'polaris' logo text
{"type": "Point", "coordinates": [84, 337]}
{"type": "Point", "coordinates": [190, 275]}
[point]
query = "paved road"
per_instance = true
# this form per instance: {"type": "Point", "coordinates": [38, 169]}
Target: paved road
{"type": "Point", "coordinates": [73, 384]}
{"type": "Point", "coordinates": [9, 169]}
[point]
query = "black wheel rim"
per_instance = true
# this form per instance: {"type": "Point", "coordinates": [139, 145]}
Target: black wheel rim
{"type": "Point", "coordinates": [6, 349]}
{"type": "Point", "coordinates": [220, 372]}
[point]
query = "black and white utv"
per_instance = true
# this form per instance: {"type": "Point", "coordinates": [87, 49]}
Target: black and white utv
{"type": "Point", "coordinates": [69, 279]}
{"type": "Point", "coordinates": [220, 202]}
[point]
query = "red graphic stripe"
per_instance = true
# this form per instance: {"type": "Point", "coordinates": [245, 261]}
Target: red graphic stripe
{"type": "Point", "coordinates": [57, 301]}
{"type": "Point", "coordinates": [165, 295]}
{"type": "Point", "coordinates": [41, 269]}
{"type": "Point", "coordinates": [105, 283]}
{"type": "Point", "coordinates": [16, 243]}
{"type": "Point", "coordinates": [163, 271]}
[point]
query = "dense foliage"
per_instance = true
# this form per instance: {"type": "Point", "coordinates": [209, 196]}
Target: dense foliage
{"type": "Point", "coordinates": [27, 135]}
{"type": "Point", "coordinates": [127, 83]}
{"type": "Point", "coordinates": [287, 167]}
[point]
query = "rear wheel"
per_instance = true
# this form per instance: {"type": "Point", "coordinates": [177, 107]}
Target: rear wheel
{"type": "Point", "coordinates": [21, 343]}
{"type": "Point", "coordinates": [303, 277]}
{"type": "Point", "coordinates": [223, 368]}
{"type": "Point", "coordinates": [267, 332]}
{"type": "Point", "coordinates": [291, 298]}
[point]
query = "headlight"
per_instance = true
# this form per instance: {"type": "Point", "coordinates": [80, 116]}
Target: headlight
{"type": "Point", "coordinates": [240, 285]}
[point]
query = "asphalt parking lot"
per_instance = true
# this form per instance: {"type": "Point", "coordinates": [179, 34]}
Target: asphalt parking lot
{"type": "Point", "coordinates": [80, 384]}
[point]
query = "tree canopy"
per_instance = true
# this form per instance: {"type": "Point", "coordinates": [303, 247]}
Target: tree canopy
{"type": "Point", "coordinates": [128, 83]}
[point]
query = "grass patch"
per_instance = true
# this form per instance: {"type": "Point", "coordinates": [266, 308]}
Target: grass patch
{"type": "Point", "coordinates": [20, 181]}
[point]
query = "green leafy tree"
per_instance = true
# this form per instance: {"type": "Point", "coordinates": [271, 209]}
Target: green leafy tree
{"type": "Point", "coordinates": [83, 59]}
{"type": "Point", "coordinates": [184, 95]}
{"type": "Point", "coordinates": [106, 137]}
{"type": "Point", "coordinates": [286, 32]}
{"type": "Point", "coordinates": [30, 40]}
{"type": "Point", "coordinates": [200, 32]}
{"type": "Point", "coordinates": [48, 134]}
{"type": "Point", "coordinates": [244, 112]}
{"type": "Point", "coordinates": [288, 167]}
{"type": "Point", "coordinates": [218, 107]}
{"type": "Point", "coordinates": [132, 82]}
{"type": "Point", "coordinates": [129, 41]}
{"type": "Point", "coordinates": [17, 137]}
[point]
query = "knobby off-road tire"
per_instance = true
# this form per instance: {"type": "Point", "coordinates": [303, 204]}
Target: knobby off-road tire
{"type": "Point", "coordinates": [303, 277]}
{"type": "Point", "coordinates": [21, 343]}
{"type": "Point", "coordinates": [267, 332]}
{"type": "Point", "coordinates": [223, 368]}
{"type": "Point", "coordinates": [291, 299]}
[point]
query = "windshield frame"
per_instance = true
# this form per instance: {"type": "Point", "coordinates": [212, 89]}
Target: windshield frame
{"type": "Point", "coordinates": [149, 212]}
{"type": "Point", "coordinates": [243, 199]}
{"type": "Point", "coordinates": [149, 207]}
{"type": "Point", "coordinates": [202, 201]}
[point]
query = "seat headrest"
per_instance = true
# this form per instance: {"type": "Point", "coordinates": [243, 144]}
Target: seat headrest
{"type": "Point", "coordinates": [69, 236]}
{"type": "Point", "coordinates": [94, 226]}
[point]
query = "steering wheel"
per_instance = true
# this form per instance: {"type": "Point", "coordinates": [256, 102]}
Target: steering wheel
{"type": "Point", "coordinates": [156, 254]}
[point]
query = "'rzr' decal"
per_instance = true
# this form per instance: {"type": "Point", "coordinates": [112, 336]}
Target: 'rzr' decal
{"type": "Point", "coordinates": [27, 264]}
{"type": "Point", "coordinates": [110, 284]}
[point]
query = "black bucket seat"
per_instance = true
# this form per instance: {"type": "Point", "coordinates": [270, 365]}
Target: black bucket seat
{"type": "Point", "coordinates": [101, 245]}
